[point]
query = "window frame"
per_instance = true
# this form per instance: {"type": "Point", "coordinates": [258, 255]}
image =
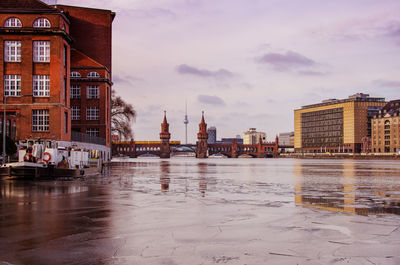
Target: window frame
{"type": "Point", "coordinates": [92, 113]}
{"type": "Point", "coordinates": [41, 86]}
{"type": "Point", "coordinates": [75, 113]}
{"type": "Point", "coordinates": [42, 120]}
{"type": "Point", "coordinates": [93, 74]}
{"type": "Point", "coordinates": [74, 74]}
{"type": "Point", "coordinates": [41, 22]}
{"type": "Point", "coordinates": [41, 51]}
{"type": "Point", "coordinates": [75, 91]}
{"type": "Point", "coordinates": [92, 92]}
{"type": "Point", "coordinates": [12, 51]}
{"type": "Point", "coordinates": [93, 132]}
{"type": "Point", "coordinates": [16, 23]}
{"type": "Point", "coordinates": [12, 81]}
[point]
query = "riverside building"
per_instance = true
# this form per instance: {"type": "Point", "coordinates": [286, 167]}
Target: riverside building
{"type": "Point", "coordinates": [335, 125]}
{"type": "Point", "coordinates": [253, 137]}
{"type": "Point", "coordinates": [42, 46]}
{"type": "Point", "coordinates": [386, 129]}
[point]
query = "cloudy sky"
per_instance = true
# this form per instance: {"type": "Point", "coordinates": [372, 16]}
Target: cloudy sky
{"type": "Point", "coordinates": [248, 63]}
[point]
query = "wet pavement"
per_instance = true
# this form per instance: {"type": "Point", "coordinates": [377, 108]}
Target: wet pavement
{"type": "Point", "coordinates": [211, 211]}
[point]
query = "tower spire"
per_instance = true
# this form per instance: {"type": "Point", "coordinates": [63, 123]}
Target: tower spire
{"type": "Point", "coordinates": [186, 121]}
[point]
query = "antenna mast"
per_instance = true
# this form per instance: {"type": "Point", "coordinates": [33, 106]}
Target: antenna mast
{"type": "Point", "coordinates": [186, 121]}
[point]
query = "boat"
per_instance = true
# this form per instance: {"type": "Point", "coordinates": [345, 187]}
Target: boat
{"type": "Point", "coordinates": [217, 156]}
{"type": "Point", "coordinates": [45, 159]}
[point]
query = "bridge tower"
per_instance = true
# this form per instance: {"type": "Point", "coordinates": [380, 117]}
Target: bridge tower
{"type": "Point", "coordinates": [202, 136]}
{"type": "Point", "coordinates": [164, 137]}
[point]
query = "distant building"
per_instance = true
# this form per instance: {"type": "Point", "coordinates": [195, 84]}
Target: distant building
{"type": "Point", "coordinates": [335, 125]}
{"type": "Point", "coordinates": [385, 137]}
{"type": "Point", "coordinates": [212, 135]}
{"type": "Point", "coordinates": [230, 140]}
{"type": "Point", "coordinates": [286, 139]}
{"type": "Point", "coordinates": [252, 136]}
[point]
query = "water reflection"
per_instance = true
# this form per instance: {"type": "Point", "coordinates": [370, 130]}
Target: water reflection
{"type": "Point", "coordinates": [348, 187]}
{"type": "Point", "coordinates": [202, 169]}
{"type": "Point", "coordinates": [32, 214]}
{"type": "Point", "coordinates": [164, 175]}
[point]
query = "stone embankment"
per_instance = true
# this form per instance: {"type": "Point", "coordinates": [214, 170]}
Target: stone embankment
{"type": "Point", "coordinates": [342, 156]}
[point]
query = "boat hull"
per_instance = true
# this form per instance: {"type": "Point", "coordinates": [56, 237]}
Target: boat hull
{"type": "Point", "coordinates": [34, 171]}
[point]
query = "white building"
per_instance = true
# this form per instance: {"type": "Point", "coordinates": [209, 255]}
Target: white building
{"type": "Point", "coordinates": [252, 136]}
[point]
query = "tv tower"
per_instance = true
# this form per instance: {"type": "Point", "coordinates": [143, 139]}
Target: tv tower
{"type": "Point", "coordinates": [186, 121]}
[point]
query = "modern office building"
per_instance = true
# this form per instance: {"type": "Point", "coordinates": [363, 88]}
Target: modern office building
{"type": "Point", "coordinates": [252, 136]}
{"type": "Point", "coordinates": [385, 136]}
{"type": "Point", "coordinates": [335, 125]}
{"type": "Point", "coordinates": [212, 135]}
{"type": "Point", "coordinates": [42, 46]}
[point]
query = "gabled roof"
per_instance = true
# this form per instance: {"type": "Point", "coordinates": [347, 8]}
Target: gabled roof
{"type": "Point", "coordinates": [25, 6]}
{"type": "Point", "coordinates": [79, 59]}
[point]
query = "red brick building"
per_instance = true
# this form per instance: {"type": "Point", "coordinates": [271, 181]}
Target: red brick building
{"type": "Point", "coordinates": [42, 46]}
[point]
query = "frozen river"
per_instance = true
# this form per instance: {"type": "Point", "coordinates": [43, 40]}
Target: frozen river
{"type": "Point", "coordinates": [211, 211]}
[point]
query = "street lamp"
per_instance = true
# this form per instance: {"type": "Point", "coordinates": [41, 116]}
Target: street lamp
{"type": "Point", "coordinates": [4, 129]}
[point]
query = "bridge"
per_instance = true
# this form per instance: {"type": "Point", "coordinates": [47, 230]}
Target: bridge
{"type": "Point", "coordinates": [165, 148]}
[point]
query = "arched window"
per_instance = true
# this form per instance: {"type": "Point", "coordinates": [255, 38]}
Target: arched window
{"type": "Point", "coordinates": [41, 23]}
{"type": "Point", "coordinates": [13, 22]}
{"type": "Point", "coordinates": [75, 74]}
{"type": "Point", "coordinates": [93, 74]}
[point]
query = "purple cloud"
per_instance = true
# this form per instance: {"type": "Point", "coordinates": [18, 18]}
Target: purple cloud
{"type": "Point", "coordinates": [312, 73]}
{"type": "Point", "coordinates": [127, 79]}
{"type": "Point", "coordinates": [285, 62]}
{"type": "Point", "coordinates": [211, 100]}
{"type": "Point", "coordinates": [190, 70]}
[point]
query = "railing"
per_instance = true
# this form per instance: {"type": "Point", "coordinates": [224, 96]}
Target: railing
{"type": "Point", "coordinates": [86, 138]}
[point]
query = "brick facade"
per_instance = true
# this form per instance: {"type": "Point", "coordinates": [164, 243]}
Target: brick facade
{"type": "Point", "coordinates": [80, 41]}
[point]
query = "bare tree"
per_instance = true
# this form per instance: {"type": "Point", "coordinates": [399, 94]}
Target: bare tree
{"type": "Point", "coordinates": [122, 116]}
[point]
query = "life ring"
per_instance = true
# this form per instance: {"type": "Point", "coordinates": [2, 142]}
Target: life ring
{"type": "Point", "coordinates": [26, 157]}
{"type": "Point", "coordinates": [46, 156]}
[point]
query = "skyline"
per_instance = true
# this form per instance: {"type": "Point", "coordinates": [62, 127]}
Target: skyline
{"type": "Point", "coordinates": [247, 65]}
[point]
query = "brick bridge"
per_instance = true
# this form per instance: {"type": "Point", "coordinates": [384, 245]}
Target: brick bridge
{"type": "Point", "coordinates": [164, 148]}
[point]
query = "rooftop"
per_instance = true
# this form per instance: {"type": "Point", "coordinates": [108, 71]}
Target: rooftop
{"type": "Point", "coordinates": [361, 97]}
{"type": "Point", "coordinates": [23, 6]}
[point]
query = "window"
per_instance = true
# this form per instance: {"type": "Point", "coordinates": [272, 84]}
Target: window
{"type": "Point", "coordinates": [13, 22]}
{"type": "Point", "coordinates": [76, 113]}
{"type": "Point", "coordinates": [12, 51]}
{"type": "Point", "coordinates": [40, 120]}
{"type": "Point", "coordinates": [1, 125]}
{"type": "Point", "coordinates": [41, 85]}
{"type": "Point", "coordinates": [75, 91]}
{"type": "Point", "coordinates": [41, 51]}
{"type": "Point", "coordinates": [65, 51]}
{"type": "Point", "coordinates": [75, 74]}
{"type": "Point", "coordinates": [93, 74]}
{"type": "Point", "coordinates": [41, 23]}
{"type": "Point", "coordinates": [66, 122]}
{"type": "Point", "coordinates": [92, 92]}
{"type": "Point", "coordinates": [92, 113]}
{"type": "Point", "coordinates": [93, 132]}
{"type": "Point", "coordinates": [65, 88]}
{"type": "Point", "coordinates": [12, 85]}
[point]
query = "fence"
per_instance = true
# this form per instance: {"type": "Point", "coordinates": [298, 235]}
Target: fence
{"type": "Point", "coordinates": [86, 138]}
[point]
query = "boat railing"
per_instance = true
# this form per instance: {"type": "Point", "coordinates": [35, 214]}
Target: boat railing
{"type": "Point", "coordinates": [86, 138]}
